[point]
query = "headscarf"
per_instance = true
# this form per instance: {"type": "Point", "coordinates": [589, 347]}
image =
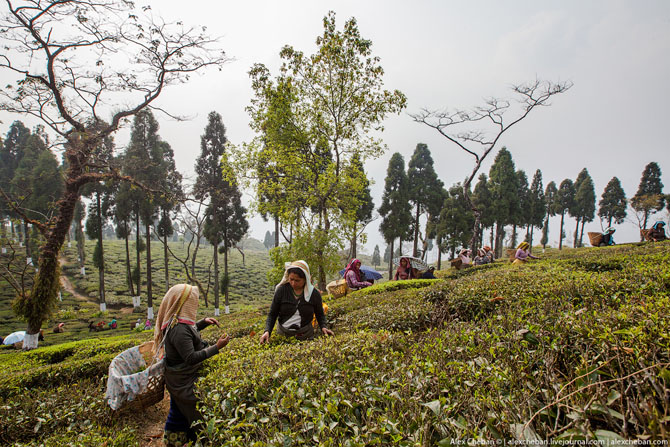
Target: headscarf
{"type": "Point", "coordinates": [610, 230]}
{"type": "Point", "coordinates": [353, 266]}
{"type": "Point", "coordinates": [481, 252]}
{"type": "Point", "coordinates": [302, 265]}
{"type": "Point", "coordinates": [402, 269]}
{"type": "Point", "coordinates": [181, 301]}
{"type": "Point", "coordinates": [486, 248]}
{"type": "Point", "coordinates": [523, 246]}
{"type": "Point", "coordinates": [660, 223]}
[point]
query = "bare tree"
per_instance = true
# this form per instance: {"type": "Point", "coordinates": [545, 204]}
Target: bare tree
{"type": "Point", "coordinates": [457, 126]}
{"type": "Point", "coordinates": [74, 61]}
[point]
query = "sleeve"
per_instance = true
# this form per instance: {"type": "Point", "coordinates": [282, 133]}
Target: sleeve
{"type": "Point", "coordinates": [353, 282]}
{"type": "Point", "coordinates": [183, 341]}
{"type": "Point", "coordinates": [200, 325]}
{"type": "Point", "coordinates": [274, 311]}
{"type": "Point", "coordinates": [520, 254]}
{"type": "Point", "coordinates": [318, 309]}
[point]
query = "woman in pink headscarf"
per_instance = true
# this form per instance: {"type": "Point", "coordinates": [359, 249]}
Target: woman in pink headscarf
{"type": "Point", "coordinates": [404, 270]}
{"type": "Point", "coordinates": [354, 277]}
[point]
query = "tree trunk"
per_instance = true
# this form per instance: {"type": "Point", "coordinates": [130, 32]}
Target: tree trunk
{"type": "Point", "coordinates": [128, 271]}
{"type": "Point", "coordinates": [512, 242]}
{"type": "Point", "coordinates": [354, 244]}
{"type": "Point", "coordinates": [101, 268]}
{"type": "Point", "coordinates": [217, 311]}
{"type": "Point", "coordinates": [497, 247]}
{"type": "Point", "coordinates": [609, 222]}
{"type": "Point", "coordinates": [416, 231]}
{"type": "Point", "coordinates": [581, 234]}
{"type": "Point", "coordinates": [137, 252]}
{"type": "Point", "coordinates": [165, 258]}
{"type": "Point", "coordinates": [560, 234]}
{"type": "Point", "coordinates": [391, 262]}
{"type": "Point", "coordinates": [150, 301]}
{"type": "Point", "coordinates": [276, 231]}
{"type": "Point", "coordinates": [574, 244]}
{"type": "Point", "coordinates": [225, 272]}
{"type": "Point", "coordinates": [439, 254]}
{"type": "Point", "coordinates": [81, 241]}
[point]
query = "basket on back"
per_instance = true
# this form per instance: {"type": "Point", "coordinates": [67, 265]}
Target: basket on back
{"type": "Point", "coordinates": [595, 239]}
{"type": "Point", "coordinates": [135, 381]}
{"type": "Point", "coordinates": [337, 289]}
{"type": "Point", "coordinates": [646, 235]}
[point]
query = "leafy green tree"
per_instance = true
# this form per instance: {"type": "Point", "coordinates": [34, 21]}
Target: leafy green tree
{"type": "Point", "coordinates": [585, 200]}
{"type": "Point", "coordinates": [11, 152]}
{"type": "Point", "coordinates": [565, 199]}
{"type": "Point", "coordinates": [536, 205]}
{"type": "Point", "coordinates": [269, 240]}
{"type": "Point", "coordinates": [612, 205]}
{"type": "Point", "coordinates": [455, 224]}
{"type": "Point", "coordinates": [550, 194]}
{"type": "Point", "coordinates": [424, 188]}
{"type": "Point", "coordinates": [363, 215]}
{"type": "Point", "coordinates": [99, 210]}
{"type": "Point", "coordinates": [649, 197]}
{"type": "Point", "coordinates": [225, 222]}
{"type": "Point", "coordinates": [376, 259]}
{"type": "Point", "coordinates": [482, 200]}
{"type": "Point", "coordinates": [330, 102]}
{"type": "Point", "coordinates": [504, 187]}
{"type": "Point", "coordinates": [520, 218]}
{"type": "Point", "coordinates": [395, 209]}
{"type": "Point", "coordinates": [168, 202]}
{"type": "Point", "coordinates": [144, 161]}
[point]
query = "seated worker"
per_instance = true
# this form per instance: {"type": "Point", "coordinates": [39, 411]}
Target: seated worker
{"type": "Point", "coordinates": [608, 239]}
{"type": "Point", "coordinates": [657, 232]}
{"type": "Point", "coordinates": [295, 303]}
{"type": "Point", "coordinates": [522, 253]}
{"type": "Point", "coordinates": [354, 277]}
{"type": "Point", "coordinates": [429, 274]}
{"type": "Point", "coordinates": [404, 270]}
{"type": "Point", "coordinates": [464, 256]}
{"type": "Point", "coordinates": [60, 328]}
{"type": "Point", "coordinates": [483, 257]}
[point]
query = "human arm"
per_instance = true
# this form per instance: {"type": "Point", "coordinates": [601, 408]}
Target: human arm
{"type": "Point", "coordinates": [205, 322]}
{"type": "Point", "coordinates": [353, 282]}
{"type": "Point", "coordinates": [272, 316]}
{"type": "Point", "coordinates": [186, 342]}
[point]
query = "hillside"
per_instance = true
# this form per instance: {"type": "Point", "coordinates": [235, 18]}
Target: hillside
{"type": "Point", "coordinates": [573, 346]}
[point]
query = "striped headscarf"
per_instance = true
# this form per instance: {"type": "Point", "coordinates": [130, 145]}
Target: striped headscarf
{"type": "Point", "coordinates": [181, 302]}
{"type": "Point", "coordinates": [523, 246]}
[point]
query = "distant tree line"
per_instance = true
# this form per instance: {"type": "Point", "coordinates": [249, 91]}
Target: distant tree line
{"type": "Point", "coordinates": [508, 205]}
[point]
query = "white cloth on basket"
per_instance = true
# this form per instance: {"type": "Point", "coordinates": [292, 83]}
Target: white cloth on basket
{"type": "Point", "coordinates": [125, 382]}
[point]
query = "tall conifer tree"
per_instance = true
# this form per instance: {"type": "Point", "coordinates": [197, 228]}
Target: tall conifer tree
{"type": "Point", "coordinates": [612, 205]}
{"type": "Point", "coordinates": [565, 200]}
{"type": "Point", "coordinates": [649, 197]}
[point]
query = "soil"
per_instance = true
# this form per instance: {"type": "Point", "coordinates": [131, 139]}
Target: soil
{"type": "Point", "coordinates": [153, 423]}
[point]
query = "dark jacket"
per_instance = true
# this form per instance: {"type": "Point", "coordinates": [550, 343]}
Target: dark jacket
{"type": "Point", "coordinates": [284, 306]}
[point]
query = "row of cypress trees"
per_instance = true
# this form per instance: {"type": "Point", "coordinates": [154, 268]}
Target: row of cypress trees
{"type": "Point", "coordinates": [505, 198]}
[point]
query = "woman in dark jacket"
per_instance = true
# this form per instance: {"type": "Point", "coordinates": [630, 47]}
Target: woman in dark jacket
{"type": "Point", "coordinates": [184, 354]}
{"type": "Point", "coordinates": [295, 304]}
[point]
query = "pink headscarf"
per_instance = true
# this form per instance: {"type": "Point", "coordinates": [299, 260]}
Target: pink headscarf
{"type": "Point", "coordinates": [353, 266]}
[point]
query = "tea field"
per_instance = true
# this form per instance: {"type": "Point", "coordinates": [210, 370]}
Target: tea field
{"type": "Point", "coordinates": [574, 346]}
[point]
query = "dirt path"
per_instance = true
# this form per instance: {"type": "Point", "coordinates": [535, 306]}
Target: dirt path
{"type": "Point", "coordinates": [153, 423]}
{"type": "Point", "coordinates": [66, 284]}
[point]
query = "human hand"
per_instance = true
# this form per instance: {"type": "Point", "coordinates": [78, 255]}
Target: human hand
{"type": "Point", "coordinates": [210, 320]}
{"type": "Point", "coordinates": [327, 331]}
{"type": "Point", "coordinates": [265, 337]}
{"type": "Point", "coordinates": [223, 341]}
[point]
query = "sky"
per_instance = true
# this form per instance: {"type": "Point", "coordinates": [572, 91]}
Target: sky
{"type": "Point", "coordinates": [452, 55]}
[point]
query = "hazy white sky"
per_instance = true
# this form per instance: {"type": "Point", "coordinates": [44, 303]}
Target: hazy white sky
{"type": "Point", "coordinates": [453, 54]}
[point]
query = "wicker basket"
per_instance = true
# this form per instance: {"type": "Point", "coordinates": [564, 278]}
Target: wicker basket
{"type": "Point", "coordinates": [511, 254]}
{"type": "Point", "coordinates": [646, 235]}
{"type": "Point", "coordinates": [595, 238]}
{"type": "Point", "coordinates": [155, 387]}
{"type": "Point", "coordinates": [338, 288]}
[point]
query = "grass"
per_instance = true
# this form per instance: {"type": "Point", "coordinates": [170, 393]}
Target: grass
{"type": "Point", "coordinates": [573, 346]}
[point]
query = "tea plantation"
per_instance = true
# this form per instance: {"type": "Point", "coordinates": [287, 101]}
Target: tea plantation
{"type": "Point", "coordinates": [574, 346]}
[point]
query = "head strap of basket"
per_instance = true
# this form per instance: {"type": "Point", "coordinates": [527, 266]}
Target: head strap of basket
{"type": "Point", "coordinates": [180, 304]}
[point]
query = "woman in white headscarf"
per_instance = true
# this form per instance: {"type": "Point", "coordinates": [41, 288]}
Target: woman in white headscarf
{"type": "Point", "coordinates": [295, 304]}
{"type": "Point", "coordinates": [184, 353]}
